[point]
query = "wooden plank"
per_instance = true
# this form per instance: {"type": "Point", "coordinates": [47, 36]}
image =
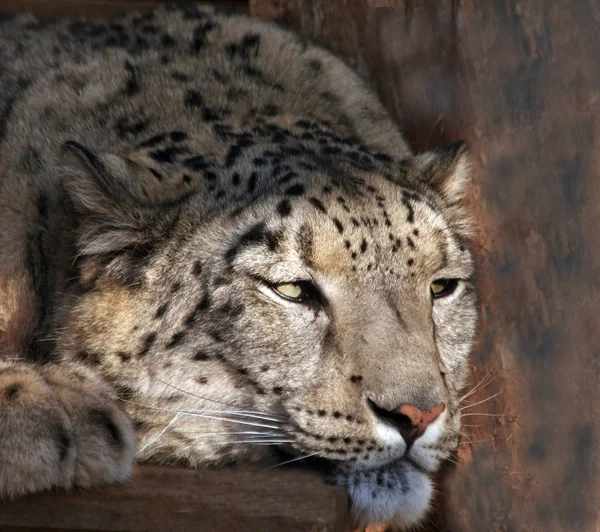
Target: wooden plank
{"type": "Point", "coordinates": [160, 498]}
{"type": "Point", "coordinates": [519, 81]}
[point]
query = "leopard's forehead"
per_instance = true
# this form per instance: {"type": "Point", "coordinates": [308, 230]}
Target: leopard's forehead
{"type": "Point", "coordinates": [368, 227]}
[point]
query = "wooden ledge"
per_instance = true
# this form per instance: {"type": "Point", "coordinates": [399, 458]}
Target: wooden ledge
{"type": "Point", "coordinates": [162, 498]}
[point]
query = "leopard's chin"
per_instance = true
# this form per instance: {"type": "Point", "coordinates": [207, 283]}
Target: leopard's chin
{"type": "Point", "coordinates": [397, 494]}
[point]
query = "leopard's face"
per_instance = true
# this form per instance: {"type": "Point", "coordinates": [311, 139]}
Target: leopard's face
{"type": "Point", "coordinates": [331, 319]}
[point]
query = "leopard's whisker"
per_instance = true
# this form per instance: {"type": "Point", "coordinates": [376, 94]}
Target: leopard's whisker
{"type": "Point", "coordinates": [268, 442]}
{"type": "Point", "coordinates": [479, 385]}
{"type": "Point", "coordinates": [195, 414]}
{"type": "Point", "coordinates": [216, 401]}
{"type": "Point", "coordinates": [160, 434]}
{"type": "Point", "coordinates": [241, 413]}
{"type": "Point", "coordinates": [482, 401]}
{"type": "Point", "coordinates": [485, 415]}
{"type": "Point", "coordinates": [240, 433]}
{"type": "Point", "coordinates": [294, 460]}
{"type": "Point", "coordinates": [486, 440]}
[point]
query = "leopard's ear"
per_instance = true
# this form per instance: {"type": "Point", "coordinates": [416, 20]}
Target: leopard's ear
{"type": "Point", "coordinates": [122, 202]}
{"type": "Point", "coordinates": [446, 170]}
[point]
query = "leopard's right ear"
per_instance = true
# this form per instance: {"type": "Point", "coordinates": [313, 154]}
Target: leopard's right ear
{"type": "Point", "coordinates": [123, 202]}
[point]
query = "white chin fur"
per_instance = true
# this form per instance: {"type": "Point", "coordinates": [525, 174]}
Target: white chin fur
{"type": "Point", "coordinates": [397, 494]}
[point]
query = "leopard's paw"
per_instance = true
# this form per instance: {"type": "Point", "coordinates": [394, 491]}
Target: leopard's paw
{"type": "Point", "coordinates": [59, 427]}
{"type": "Point", "coordinates": [37, 445]}
{"type": "Point", "coordinates": [104, 436]}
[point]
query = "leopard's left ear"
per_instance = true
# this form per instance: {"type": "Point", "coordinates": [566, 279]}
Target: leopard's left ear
{"type": "Point", "coordinates": [123, 202]}
{"type": "Point", "coordinates": [446, 170]}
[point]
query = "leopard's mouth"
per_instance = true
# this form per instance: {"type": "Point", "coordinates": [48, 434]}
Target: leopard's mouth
{"type": "Point", "coordinates": [395, 491]}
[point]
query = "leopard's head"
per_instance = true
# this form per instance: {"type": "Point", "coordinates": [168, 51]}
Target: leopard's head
{"type": "Point", "coordinates": [327, 316]}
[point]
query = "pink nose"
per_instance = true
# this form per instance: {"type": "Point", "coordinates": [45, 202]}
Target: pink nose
{"type": "Point", "coordinates": [419, 419]}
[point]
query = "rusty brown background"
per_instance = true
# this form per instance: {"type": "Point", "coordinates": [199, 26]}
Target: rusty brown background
{"type": "Point", "coordinates": [520, 81]}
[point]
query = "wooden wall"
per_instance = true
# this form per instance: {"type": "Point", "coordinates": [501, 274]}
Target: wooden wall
{"type": "Point", "coordinates": [520, 81]}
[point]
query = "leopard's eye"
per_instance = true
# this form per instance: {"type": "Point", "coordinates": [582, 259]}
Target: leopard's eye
{"type": "Point", "coordinates": [299, 291]}
{"type": "Point", "coordinates": [443, 287]}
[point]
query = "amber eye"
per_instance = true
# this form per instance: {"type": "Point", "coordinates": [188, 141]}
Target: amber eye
{"type": "Point", "coordinates": [299, 291]}
{"type": "Point", "coordinates": [443, 287]}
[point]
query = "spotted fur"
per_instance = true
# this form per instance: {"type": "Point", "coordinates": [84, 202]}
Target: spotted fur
{"type": "Point", "coordinates": [159, 174]}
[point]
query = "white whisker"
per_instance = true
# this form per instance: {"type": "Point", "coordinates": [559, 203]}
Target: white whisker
{"type": "Point", "coordinates": [482, 401]}
{"type": "Point", "coordinates": [485, 415]}
{"type": "Point", "coordinates": [195, 414]}
{"type": "Point", "coordinates": [294, 460]}
{"type": "Point", "coordinates": [241, 433]}
{"type": "Point", "coordinates": [478, 386]}
{"type": "Point", "coordinates": [241, 413]}
{"type": "Point", "coordinates": [214, 400]}
{"type": "Point", "coordinates": [270, 442]}
{"type": "Point", "coordinates": [160, 433]}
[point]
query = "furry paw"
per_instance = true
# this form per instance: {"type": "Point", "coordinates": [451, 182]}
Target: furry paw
{"type": "Point", "coordinates": [59, 427]}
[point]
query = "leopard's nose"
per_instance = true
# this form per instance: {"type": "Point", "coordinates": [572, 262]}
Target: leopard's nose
{"type": "Point", "coordinates": [410, 421]}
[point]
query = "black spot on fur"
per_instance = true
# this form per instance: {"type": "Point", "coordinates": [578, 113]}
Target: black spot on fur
{"type": "Point", "coordinates": [246, 49]}
{"type": "Point", "coordinates": [201, 356]}
{"type": "Point", "coordinates": [168, 155]}
{"type": "Point", "coordinates": [126, 129]}
{"type": "Point", "coordinates": [88, 357]}
{"type": "Point", "coordinates": [167, 41]}
{"type": "Point", "coordinates": [200, 36]}
{"type": "Point", "coordinates": [178, 136]}
{"type": "Point", "coordinates": [318, 204]}
{"type": "Point", "coordinates": [251, 186]}
{"type": "Point", "coordinates": [255, 235]}
{"type": "Point", "coordinates": [232, 155]}
{"type": "Point", "coordinates": [288, 177]}
{"type": "Point", "coordinates": [363, 246]}
{"type": "Point", "coordinates": [406, 196]}
{"type": "Point", "coordinates": [133, 86]}
{"type": "Point", "coordinates": [284, 208]}
{"type": "Point", "coordinates": [176, 339]}
{"type": "Point", "coordinates": [197, 268]}
{"type": "Point", "coordinates": [161, 311]}
{"type": "Point", "coordinates": [338, 225]}
{"type": "Point", "coordinates": [148, 342]}
{"type": "Point", "coordinates": [295, 190]}
{"type": "Point", "coordinates": [278, 390]}
{"type": "Point", "coordinates": [410, 262]}
{"type": "Point", "coordinates": [202, 380]}
{"type": "Point", "coordinates": [12, 391]}
{"type": "Point", "coordinates": [196, 163]}
{"type": "Point", "coordinates": [153, 141]}
{"type": "Point", "coordinates": [356, 378]}
{"type": "Point", "coordinates": [193, 99]}
{"type": "Point", "coordinates": [102, 418]}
